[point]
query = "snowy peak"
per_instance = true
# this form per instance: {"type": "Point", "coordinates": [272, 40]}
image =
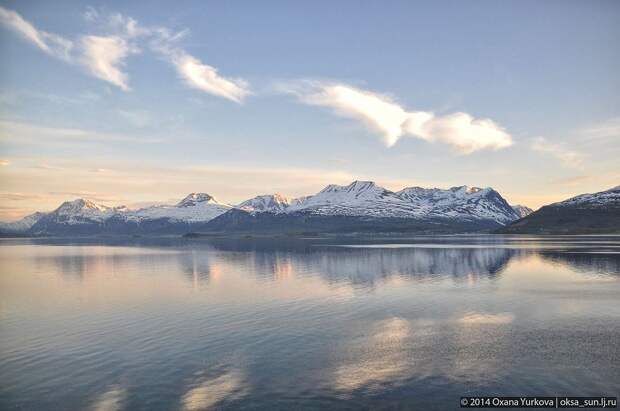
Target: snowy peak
{"type": "Point", "coordinates": [78, 206]}
{"type": "Point", "coordinates": [461, 202]}
{"type": "Point", "coordinates": [365, 198]}
{"type": "Point", "coordinates": [600, 199]}
{"type": "Point", "coordinates": [595, 213]}
{"type": "Point", "coordinates": [194, 208]}
{"type": "Point", "coordinates": [357, 189]}
{"type": "Point", "coordinates": [522, 210]}
{"type": "Point", "coordinates": [294, 202]}
{"type": "Point", "coordinates": [21, 225]}
{"type": "Point", "coordinates": [458, 205]}
{"type": "Point", "coordinates": [453, 193]}
{"type": "Point", "coordinates": [465, 191]}
{"type": "Point", "coordinates": [416, 193]}
{"type": "Point", "coordinates": [274, 203]}
{"type": "Point", "coordinates": [77, 214]}
{"type": "Point", "coordinates": [194, 198]}
{"type": "Point", "coordinates": [357, 198]}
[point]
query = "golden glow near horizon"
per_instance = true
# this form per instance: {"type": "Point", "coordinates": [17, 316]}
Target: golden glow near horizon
{"type": "Point", "coordinates": [29, 184]}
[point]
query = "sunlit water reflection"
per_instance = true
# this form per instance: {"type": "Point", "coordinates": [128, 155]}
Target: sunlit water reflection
{"type": "Point", "coordinates": [169, 324]}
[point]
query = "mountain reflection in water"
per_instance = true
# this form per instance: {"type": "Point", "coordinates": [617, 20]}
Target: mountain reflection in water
{"type": "Point", "coordinates": [163, 323]}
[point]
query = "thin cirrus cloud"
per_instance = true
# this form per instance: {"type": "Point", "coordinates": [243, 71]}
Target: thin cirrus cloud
{"type": "Point", "coordinates": [190, 69]}
{"type": "Point", "coordinates": [18, 133]}
{"type": "Point", "coordinates": [102, 56]}
{"type": "Point", "coordinates": [383, 115]}
{"type": "Point", "coordinates": [52, 44]}
{"type": "Point", "coordinates": [105, 56]}
{"type": "Point", "coordinates": [607, 131]}
{"type": "Point", "coordinates": [204, 77]}
{"type": "Point", "coordinates": [568, 157]}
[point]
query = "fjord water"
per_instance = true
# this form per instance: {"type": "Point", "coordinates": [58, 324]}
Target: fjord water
{"type": "Point", "coordinates": [171, 324]}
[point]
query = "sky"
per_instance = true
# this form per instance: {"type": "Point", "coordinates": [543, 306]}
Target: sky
{"type": "Point", "coordinates": [139, 103]}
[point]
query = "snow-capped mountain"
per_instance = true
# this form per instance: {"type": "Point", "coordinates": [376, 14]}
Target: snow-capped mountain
{"type": "Point", "coordinates": [196, 207]}
{"type": "Point", "coordinates": [522, 210]}
{"type": "Point", "coordinates": [77, 210]}
{"type": "Point", "coordinates": [193, 199]}
{"type": "Point", "coordinates": [365, 198]}
{"type": "Point", "coordinates": [81, 215]}
{"type": "Point", "coordinates": [21, 225]}
{"type": "Point", "coordinates": [470, 203]}
{"type": "Point", "coordinates": [85, 217]}
{"type": "Point", "coordinates": [334, 208]}
{"type": "Point", "coordinates": [600, 199]}
{"type": "Point", "coordinates": [360, 198]}
{"type": "Point", "coordinates": [597, 213]}
{"type": "Point", "coordinates": [274, 203]}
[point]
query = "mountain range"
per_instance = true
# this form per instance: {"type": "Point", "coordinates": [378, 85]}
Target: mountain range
{"type": "Point", "coordinates": [359, 206]}
{"type": "Point", "coordinates": [597, 213]}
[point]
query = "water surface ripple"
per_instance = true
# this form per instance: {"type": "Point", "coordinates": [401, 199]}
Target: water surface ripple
{"type": "Point", "coordinates": [244, 324]}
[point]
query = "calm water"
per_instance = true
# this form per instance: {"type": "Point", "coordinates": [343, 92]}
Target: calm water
{"type": "Point", "coordinates": [291, 324]}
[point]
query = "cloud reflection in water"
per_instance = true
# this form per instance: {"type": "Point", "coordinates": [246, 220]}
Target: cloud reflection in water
{"type": "Point", "coordinates": [381, 358]}
{"type": "Point", "coordinates": [111, 400]}
{"type": "Point", "coordinates": [210, 392]}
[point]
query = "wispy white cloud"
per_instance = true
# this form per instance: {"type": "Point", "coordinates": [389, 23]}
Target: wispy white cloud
{"type": "Point", "coordinates": [91, 195]}
{"type": "Point", "coordinates": [46, 166]}
{"type": "Point", "coordinates": [25, 133]}
{"type": "Point", "coordinates": [164, 43]}
{"type": "Point", "coordinates": [126, 26]}
{"type": "Point", "coordinates": [90, 14]}
{"type": "Point", "coordinates": [20, 196]}
{"type": "Point", "coordinates": [385, 116]}
{"type": "Point", "coordinates": [4, 163]}
{"type": "Point", "coordinates": [137, 118]}
{"type": "Point", "coordinates": [105, 56]}
{"type": "Point", "coordinates": [190, 69]}
{"type": "Point", "coordinates": [206, 78]}
{"type": "Point", "coordinates": [609, 129]}
{"type": "Point", "coordinates": [570, 181]}
{"type": "Point", "coordinates": [568, 157]}
{"type": "Point", "coordinates": [102, 56]}
{"type": "Point", "coordinates": [52, 44]}
{"type": "Point", "coordinates": [25, 97]}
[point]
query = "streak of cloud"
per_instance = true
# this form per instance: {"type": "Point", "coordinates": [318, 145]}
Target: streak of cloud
{"type": "Point", "coordinates": [51, 44]}
{"type": "Point", "coordinates": [383, 115]}
{"type": "Point", "coordinates": [23, 133]}
{"type": "Point", "coordinates": [568, 157]}
{"type": "Point", "coordinates": [206, 78]}
{"type": "Point", "coordinates": [104, 56]}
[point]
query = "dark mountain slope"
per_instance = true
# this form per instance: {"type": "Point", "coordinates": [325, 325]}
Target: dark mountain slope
{"type": "Point", "coordinates": [597, 213]}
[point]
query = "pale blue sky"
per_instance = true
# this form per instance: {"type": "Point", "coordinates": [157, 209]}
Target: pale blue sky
{"type": "Point", "coordinates": [544, 72]}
